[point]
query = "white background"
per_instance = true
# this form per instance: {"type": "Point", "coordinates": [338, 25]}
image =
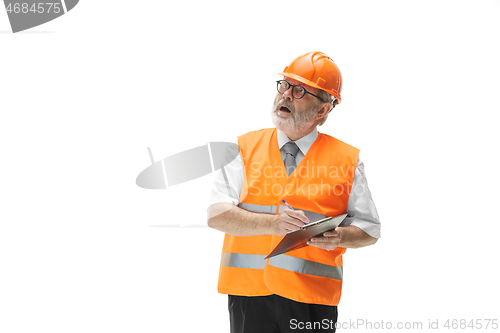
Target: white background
{"type": "Point", "coordinates": [83, 249]}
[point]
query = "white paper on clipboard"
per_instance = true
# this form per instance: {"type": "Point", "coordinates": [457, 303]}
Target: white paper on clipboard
{"type": "Point", "coordinates": [298, 238]}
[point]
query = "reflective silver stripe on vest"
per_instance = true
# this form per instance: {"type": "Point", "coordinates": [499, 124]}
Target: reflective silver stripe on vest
{"type": "Point", "coordinates": [271, 209]}
{"type": "Point", "coordinates": [306, 266]}
{"type": "Point", "coordinates": [241, 260]}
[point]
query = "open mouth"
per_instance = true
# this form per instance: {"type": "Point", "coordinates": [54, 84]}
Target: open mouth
{"type": "Point", "coordinates": [284, 108]}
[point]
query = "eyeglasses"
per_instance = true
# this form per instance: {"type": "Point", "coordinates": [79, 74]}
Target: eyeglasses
{"type": "Point", "coordinates": [297, 91]}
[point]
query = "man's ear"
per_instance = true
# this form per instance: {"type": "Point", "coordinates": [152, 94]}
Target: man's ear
{"type": "Point", "coordinates": [324, 110]}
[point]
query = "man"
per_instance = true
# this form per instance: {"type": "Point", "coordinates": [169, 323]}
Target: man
{"type": "Point", "coordinates": [318, 176]}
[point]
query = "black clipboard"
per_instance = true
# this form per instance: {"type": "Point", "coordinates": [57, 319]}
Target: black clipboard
{"type": "Point", "coordinates": [298, 238]}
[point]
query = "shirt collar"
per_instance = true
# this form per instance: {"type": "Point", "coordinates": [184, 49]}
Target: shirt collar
{"type": "Point", "coordinates": [304, 143]}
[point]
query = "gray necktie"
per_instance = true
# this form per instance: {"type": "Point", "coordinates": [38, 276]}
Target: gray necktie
{"type": "Point", "coordinates": [291, 150]}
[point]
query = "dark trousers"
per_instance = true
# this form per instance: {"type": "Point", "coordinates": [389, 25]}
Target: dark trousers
{"type": "Point", "coordinates": [276, 314]}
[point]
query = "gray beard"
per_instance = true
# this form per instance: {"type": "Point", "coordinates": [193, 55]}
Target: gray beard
{"type": "Point", "coordinates": [296, 124]}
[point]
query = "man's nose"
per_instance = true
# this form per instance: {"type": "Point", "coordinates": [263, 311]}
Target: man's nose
{"type": "Point", "coordinates": [288, 95]}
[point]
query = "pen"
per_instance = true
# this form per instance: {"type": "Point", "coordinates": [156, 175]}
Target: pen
{"type": "Point", "coordinates": [287, 205]}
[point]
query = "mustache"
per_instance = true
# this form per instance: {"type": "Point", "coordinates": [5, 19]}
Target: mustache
{"type": "Point", "coordinates": [286, 103]}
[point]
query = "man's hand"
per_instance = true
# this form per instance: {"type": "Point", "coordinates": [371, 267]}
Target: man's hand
{"type": "Point", "coordinates": [329, 241]}
{"type": "Point", "coordinates": [348, 237]}
{"type": "Point", "coordinates": [289, 220]}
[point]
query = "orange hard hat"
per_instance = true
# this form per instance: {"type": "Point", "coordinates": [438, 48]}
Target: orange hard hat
{"type": "Point", "coordinates": [317, 70]}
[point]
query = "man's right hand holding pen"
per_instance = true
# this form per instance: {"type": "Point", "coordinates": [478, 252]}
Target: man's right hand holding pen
{"type": "Point", "coordinates": [289, 220]}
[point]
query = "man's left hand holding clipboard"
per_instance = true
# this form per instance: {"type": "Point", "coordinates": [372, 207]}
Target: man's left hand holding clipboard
{"type": "Point", "coordinates": [329, 241]}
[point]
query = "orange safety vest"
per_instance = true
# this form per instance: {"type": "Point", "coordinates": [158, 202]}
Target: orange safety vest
{"type": "Point", "coordinates": [319, 186]}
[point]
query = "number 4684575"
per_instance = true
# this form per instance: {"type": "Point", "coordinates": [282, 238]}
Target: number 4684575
{"type": "Point", "coordinates": [36, 8]}
{"type": "Point", "coordinates": [471, 324]}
